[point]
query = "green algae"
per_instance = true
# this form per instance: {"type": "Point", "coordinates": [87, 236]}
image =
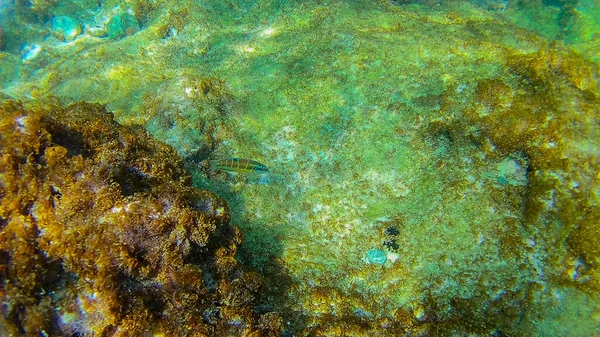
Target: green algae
{"type": "Point", "coordinates": [359, 109]}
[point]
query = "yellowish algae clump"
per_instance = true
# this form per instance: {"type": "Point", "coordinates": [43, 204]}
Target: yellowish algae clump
{"type": "Point", "coordinates": [451, 138]}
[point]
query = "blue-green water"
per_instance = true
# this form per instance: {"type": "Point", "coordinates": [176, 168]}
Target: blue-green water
{"type": "Point", "coordinates": [433, 166]}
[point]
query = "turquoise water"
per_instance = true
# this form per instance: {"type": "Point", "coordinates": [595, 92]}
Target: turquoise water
{"type": "Point", "coordinates": [433, 166]}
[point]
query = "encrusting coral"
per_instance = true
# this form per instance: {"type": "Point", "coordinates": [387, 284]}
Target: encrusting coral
{"type": "Point", "coordinates": [101, 235]}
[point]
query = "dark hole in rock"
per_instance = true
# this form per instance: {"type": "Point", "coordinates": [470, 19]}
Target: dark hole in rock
{"type": "Point", "coordinates": [4, 257]}
{"type": "Point", "coordinates": [198, 256]}
{"type": "Point", "coordinates": [54, 195]}
{"type": "Point", "coordinates": [152, 301]}
{"type": "Point", "coordinates": [54, 276]}
{"type": "Point", "coordinates": [26, 209]}
{"type": "Point", "coordinates": [4, 261]}
{"type": "Point", "coordinates": [37, 157]}
{"type": "Point", "coordinates": [110, 330]}
{"type": "Point", "coordinates": [55, 192]}
{"type": "Point", "coordinates": [132, 180]}
{"type": "Point", "coordinates": [71, 140]}
{"type": "Point", "coordinates": [16, 315]}
{"type": "Point", "coordinates": [133, 290]}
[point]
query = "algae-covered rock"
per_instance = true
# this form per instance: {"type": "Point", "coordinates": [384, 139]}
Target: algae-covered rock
{"type": "Point", "coordinates": [457, 137]}
{"type": "Point", "coordinates": [66, 28]}
{"type": "Point", "coordinates": [122, 25]}
{"type": "Point", "coordinates": [100, 234]}
{"type": "Point", "coordinates": [186, 114]}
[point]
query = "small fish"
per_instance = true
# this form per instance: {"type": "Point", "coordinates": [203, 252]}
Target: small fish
{"type": "Point", "coordinates": [238, 165]}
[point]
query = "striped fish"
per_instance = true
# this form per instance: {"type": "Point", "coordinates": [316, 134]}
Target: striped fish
{"type": "Point", "coordinates": [238, 165]}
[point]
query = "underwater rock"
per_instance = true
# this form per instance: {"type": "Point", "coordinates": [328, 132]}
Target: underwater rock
{"type": "Point", "coordinates": [65, 28]}
{"type": "Point", "coordinates": [122, 25]}
{"type": "Point", "coordinates": [30, 52]}
{"type": "Point", "coordinates": [376, 256]}
{"type": "Point", "coordinates": [185, 113]}
{"type": "Point", "coordinates": [100, 234]}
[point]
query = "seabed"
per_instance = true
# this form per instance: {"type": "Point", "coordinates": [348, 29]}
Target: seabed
{"type": "Point", "coordinates": [433, 168]}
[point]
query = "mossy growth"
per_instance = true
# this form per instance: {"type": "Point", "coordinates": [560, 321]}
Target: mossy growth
{"type": "Point", "coordinates": [100, 234]}
{"type": "Point", "coordinates": [546, 108]}
{"type": "Point", "coordinates": [187, 113]}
